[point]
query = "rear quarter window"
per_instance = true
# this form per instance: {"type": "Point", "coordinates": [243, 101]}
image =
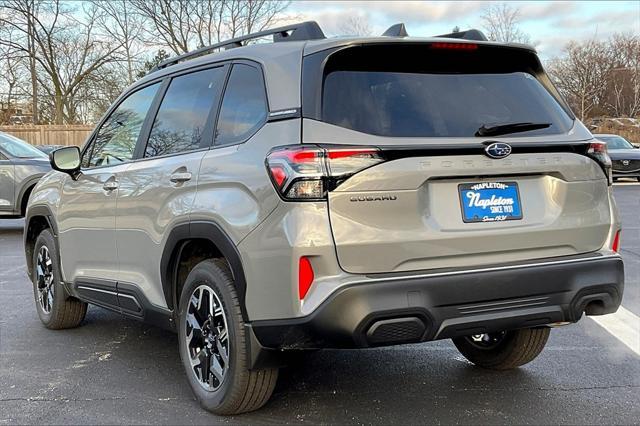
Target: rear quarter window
{"type": "Point", "coordinates": [244, 106]}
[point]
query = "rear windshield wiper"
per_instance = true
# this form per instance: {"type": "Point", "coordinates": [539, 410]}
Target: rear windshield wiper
{"type": "Point", "coordinates": [503, 129]}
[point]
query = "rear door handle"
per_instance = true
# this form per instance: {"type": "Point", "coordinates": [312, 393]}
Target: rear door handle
{"type": "Point", "coordinates": [180, 177]}
{"type": "Point", "coordinates": [110, 185]}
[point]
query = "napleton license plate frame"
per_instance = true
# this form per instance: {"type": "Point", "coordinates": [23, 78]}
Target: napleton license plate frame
{"type": "Point", "coordinates": [501, 188]}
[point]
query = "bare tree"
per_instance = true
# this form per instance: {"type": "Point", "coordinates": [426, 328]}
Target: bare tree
{"type": "Point", "coordinates": [9, 62]}
{"type": "Point", "coordinates": [65, 49]}
{"type": "Point", "coordinates": [169, 20]}
{"type": "Point", "coordinates": [119, 22]}
{"type": "Point", "coordinates": [31, 51]}
{"type": "Point", "coordinates": [355, 25]}
{"type": "Point", "coordinates": [11, 77]}
{"type": "Point", "coordinates": [582, 74]}
{"type": "Point", "coordinates": [183, 25]}
{"type": "Point", "coordinates": [258, 15]}
{"type": "Point", "coordinates": [20, 43]}
{"type": "Point", "coordinates": [207, 22]}
{"type": "Point", "coordinates": [153, 62]}
{"type": "Point", "coordinates": [501, 22]}
{"type": "Point", "coordinates": [623, 91]}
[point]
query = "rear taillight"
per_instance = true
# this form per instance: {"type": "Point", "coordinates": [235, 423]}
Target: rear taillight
{"type": "Point", "coordinates": [598, 151]}
{"type": "Point", "coordinates": [302, 172]}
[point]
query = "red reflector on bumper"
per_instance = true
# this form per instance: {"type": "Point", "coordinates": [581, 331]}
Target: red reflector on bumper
{"type": "Point", "coordinates": [305, 277]}
{"type": "Point", "coordinates": [616, 242]}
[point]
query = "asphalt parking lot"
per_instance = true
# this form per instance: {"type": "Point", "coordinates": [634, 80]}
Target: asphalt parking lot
{"type": "Point", "coordinates": [115, 370]}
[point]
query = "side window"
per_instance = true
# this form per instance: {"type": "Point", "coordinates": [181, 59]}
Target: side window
{"type": "Point", "coordinates": [116, 140]}
{"type": "Point", "coordinates": [244, 106]}
{"type": "Point", "coordinates": [182, 117]}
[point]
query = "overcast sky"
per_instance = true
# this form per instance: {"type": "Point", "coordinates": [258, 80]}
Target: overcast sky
{"type": "Point", "coordinates": [549, 23]}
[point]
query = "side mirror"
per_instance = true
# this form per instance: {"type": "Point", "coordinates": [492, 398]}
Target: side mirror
{"type": "Point", "coordinates": [66, 160]}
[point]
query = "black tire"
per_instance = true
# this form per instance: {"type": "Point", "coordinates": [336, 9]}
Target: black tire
{"type": "Point", "coordinates": [241, 390]}
{"type": "Point", "coordinates": [506, 350]}
{"type": "Point", "coordinates": [59, 310]}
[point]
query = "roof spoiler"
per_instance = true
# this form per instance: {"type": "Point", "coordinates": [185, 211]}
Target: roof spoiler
{"type": "Point", "coordinates": [399, 30]}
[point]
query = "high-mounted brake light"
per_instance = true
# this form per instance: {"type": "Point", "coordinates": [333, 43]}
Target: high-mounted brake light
{"type": "Point", "coordinates": [454, 46]}
{"type": "Point", "coordinates": [307, 172]}
{"type": "Point", "coordinates": [598, 151]}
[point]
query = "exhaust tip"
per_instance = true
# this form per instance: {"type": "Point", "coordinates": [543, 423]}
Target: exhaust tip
{"type": "Point", "coordinates": [595, 307]}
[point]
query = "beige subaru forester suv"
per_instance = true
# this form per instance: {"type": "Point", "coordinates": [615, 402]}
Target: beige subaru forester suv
{"type": "Point", "coordinates": [316, 192]}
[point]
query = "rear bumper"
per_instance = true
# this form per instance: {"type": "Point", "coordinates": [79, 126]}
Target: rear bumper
{"type": "Point", "coordinates": [417, 308]}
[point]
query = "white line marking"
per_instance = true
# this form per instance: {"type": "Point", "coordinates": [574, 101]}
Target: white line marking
{"type": "Point", "coordinates": [624, 326]}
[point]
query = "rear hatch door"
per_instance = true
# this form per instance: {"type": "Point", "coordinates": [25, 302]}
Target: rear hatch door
{"type": "Point", "coordinates": [440, 200]}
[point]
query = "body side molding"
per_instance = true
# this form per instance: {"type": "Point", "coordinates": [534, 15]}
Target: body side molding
{"type": "Point", "coordinates": [123, 298]}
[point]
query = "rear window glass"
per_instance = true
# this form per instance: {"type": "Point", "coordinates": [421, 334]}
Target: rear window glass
{"type": "Point", "coordinates": [615, 142]}
{"type": "Point", "coordinates": [19, 148]}
{"type": "Point", "coordinates": [414, 97]}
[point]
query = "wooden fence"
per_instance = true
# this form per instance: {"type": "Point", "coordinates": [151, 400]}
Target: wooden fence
{"type": "Point", "coordinates": [50, 134]}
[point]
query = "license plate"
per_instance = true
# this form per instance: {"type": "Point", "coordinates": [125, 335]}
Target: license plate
{"type": "Point", "coordinates": [490, 201]}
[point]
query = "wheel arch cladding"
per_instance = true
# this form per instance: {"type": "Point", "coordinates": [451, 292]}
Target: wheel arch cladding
{"type": "Point", "coordinates": [23, 198]}
{"type": "Point", "coordinates": [38, 219]}
{"type": "Point", "coordinates": [179, 240]}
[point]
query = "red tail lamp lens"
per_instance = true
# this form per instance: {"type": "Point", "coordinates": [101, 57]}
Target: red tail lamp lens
{"type": "Point", "coordinates": [302, 156]}
{"type": "Point", "coordinates": [597, 147]}
{"type": "Point", "coordinates": [345, 153]}
{"type": "Point", "coordinates": [279, 175]}
{"type": "Point", "coordinates": [305, 277]}
{"type": "Point", "coordinates": [598, 151]}
{"type": "Point", "coordinates": [616, 242]}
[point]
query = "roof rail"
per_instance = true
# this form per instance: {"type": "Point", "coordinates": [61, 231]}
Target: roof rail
{"type": "Point", "coordinates": [397, 30]}
{"type": "Point", "coordinates": [309, 30]}
{"type": "Point", "coordinates": [466, 35]}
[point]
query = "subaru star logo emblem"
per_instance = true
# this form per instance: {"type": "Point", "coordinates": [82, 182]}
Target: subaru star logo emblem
{"type": "Point", "coordinates": [498, 150]}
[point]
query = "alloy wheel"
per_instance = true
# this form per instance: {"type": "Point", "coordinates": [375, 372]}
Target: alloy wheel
{"type": "Point", "coordinates": [207, 338]}
{"type": "Point", "coordinates": [44, 279]}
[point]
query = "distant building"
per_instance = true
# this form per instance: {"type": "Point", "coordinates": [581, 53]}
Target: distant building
{"type": "Point", "coordinates": [16, 113]}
